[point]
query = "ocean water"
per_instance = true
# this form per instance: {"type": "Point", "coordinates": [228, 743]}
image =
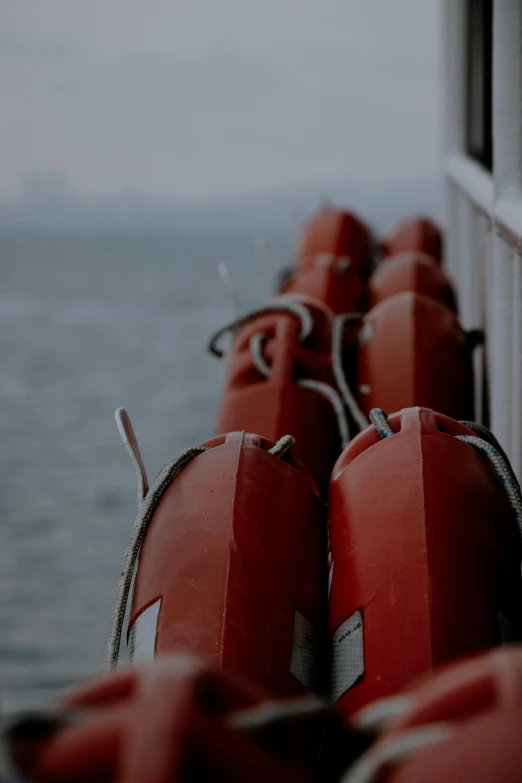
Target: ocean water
{"type": "Point", "coordinates": [88, 325]}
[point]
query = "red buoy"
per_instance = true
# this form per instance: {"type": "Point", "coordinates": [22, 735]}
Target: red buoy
{"type": "Point", "coordinates": [413, 351]}
{"type": "Point", "coordinates": [339, 234]}
{"type": "Point", "coordinates": [333, 281]}
{"type": "Point", "coordinates": [411, 270]}
{"type": "Point", "coordinates": [279, 380]}
{"type": "Point", "coordinates": [461, 724]}
{"type": "Point", "coordinates": [231, 565]}
{"type": "Point", "coordinates": [177, 720]}
{"type": "Point", "coordinates": [424, 555]}
{"type": "Point", "coordinates": [415, 234]}
{"type": "Point", "coordinates": [334, 261]}
{"type": "Point", "coordinates": [485, 750]}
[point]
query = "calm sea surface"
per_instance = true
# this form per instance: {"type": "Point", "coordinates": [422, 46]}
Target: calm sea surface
{"type": "Point", "coordinates": [88, 325]}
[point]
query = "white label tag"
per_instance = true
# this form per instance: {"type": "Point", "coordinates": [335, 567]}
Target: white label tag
{"type": "Point", "coordinates": [142, 638]}
{"type": "Point", "coordinates": [347, 655]}
{"type": "Point", "coordinates": [303, 660]}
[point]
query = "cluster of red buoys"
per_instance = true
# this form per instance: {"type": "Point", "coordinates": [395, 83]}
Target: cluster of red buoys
{"type": "Point", "coordinates": [350, 564]}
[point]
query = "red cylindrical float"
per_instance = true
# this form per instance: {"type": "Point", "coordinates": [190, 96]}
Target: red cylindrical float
{"type": "Point", "coordinates": [462, 724]}
{"type": "Point", "coordinates": [231, 566]}
{"type": "Point", "coordinates": [413, 351]}
{"type": "Point", "coordinates": [279, 398]}
{"type": "Point", "coordinates": [168, 722]}
{"type": "Point", "coordinates": [334, 261]}
{"type": "Point", "coordinates": [337, 233]}
{"type": "Point", "coordinates": [415, 234]}
{"type": "Point", "coordinates": [424, 556]}
{"type": "Point", "coordinates": [411, 270]}
{"type": "Point", "coordinates": [332, 281]}
{"type": "Point", "coordinates": [485, 750]}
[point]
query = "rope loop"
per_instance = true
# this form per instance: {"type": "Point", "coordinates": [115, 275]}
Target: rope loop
{"type": "Point", "coordinates": [279, 305]}
{"type": "Point", "coordinates": [338, 367]}
{"type": "Point", "coordinates": [130, 441]}
{"type": "Point", "coordinates": [256, 344]}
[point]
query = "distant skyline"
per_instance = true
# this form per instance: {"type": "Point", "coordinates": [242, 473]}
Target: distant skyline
{"type": "Point", "coordinates": [194, 100]}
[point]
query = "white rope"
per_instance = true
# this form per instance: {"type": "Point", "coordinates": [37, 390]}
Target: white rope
{"type": "Point", "coordinates": [287, 304]}
{"type": "Point", "coordinates": [380, 713]}
{"type": "Point", "coordinates": [256, 352]}
{"type": "Point", "coordinates": [286, 711]}
{"type": "Point", "coordinates": [276, 305]}
{"type": "Point", "coordinates": [482, 432]}
{"type": "Point", "coordinates": [335, 401]}
{"type": "Point", "coordinates": [147, 508]}
{"type": "Point", "coordinates": [338, 369]}
{"type": "Point", "coordinates": [126, 430]}
{"type": "Point", "coordinates": [502, 471]}
{"type": "Point", "coordinates": [283, 445]}
{"type": "Point", "coordinates": [390, 752]}
{"type": "Point", "coordinates": [258, 360]}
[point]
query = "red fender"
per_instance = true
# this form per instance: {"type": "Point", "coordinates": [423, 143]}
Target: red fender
{"type": "Point", "coordinates": [413, 351]}
{"type": "Point", "coordinates": [479, 703]}
{"type": "Point", "coordinates": [425, 556]}
{"type": "Point", "coordinates": [332, 281]}
{"type": "Point", "coordinates": [487, 750]}
{"type": "Point", "coordinates": [337, 233]}
{"type": "Point", "coordinates": [334, 262]}
{"type": "Point", "coordinates": [460, 691]}
{"type": "Point", "coordinates": [415, 234]}
{"type": "Point", "coordinates": [411, 270]}
{"type": "Point", "coordinates": [161, 723]}
{"type": "Point", "coordinates": [231, 566]}
{"type": "Point", "coordinates": [278, 405]}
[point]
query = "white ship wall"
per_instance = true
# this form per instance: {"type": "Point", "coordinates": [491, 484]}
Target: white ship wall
{"type": "Point", "coordinates": [484, 218]}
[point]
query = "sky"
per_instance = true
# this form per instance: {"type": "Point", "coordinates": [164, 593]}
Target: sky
{"type": "Point", "coordinates": [197, 99]}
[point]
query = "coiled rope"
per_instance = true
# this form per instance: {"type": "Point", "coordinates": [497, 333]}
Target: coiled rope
{"type": "Point", "coordinates": [487, 445]}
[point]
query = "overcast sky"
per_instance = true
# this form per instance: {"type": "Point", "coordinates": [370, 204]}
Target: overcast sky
{"type": "Point", "coordinates": [198, 98]}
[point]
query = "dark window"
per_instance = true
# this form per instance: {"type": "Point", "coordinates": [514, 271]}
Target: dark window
{"type": "Point", "coordinates": [479, 60]}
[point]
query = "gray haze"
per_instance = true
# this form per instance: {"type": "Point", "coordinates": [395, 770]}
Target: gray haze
{"type": "Point", "coordinates": [202, 99]}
